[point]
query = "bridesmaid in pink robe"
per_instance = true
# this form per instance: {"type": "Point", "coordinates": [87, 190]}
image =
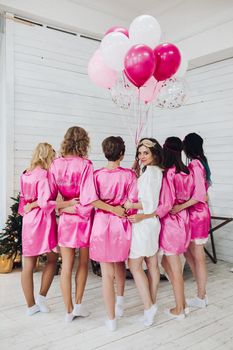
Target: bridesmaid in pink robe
{"type": "Point", "coordinates": [39, 230]}
{"type": "Point", "coordinates": [177, 187]}
{"type": "Point", "coordinates": [199, 216]}
{"type": "Point", "coordinates": [111, 235]}
{"type": "Point", "coordinates": [71, 176]}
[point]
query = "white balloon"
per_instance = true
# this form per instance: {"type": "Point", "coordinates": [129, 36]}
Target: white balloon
{"type": "Point", "coordinates": [145, 30]}
{"type": "Point", "coordinates": [183, 65]}
{"type": "Point", "coordinates": [114, 47]}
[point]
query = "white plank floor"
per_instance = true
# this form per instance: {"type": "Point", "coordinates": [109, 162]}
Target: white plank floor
{"type": "Point", "coordinates": [207, 329]}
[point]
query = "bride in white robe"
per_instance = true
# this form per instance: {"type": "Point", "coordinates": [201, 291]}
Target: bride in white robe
{"type": "Point", "coordinates": [146, 226]}
{"type": "Point", "coordinates": [145, 236]}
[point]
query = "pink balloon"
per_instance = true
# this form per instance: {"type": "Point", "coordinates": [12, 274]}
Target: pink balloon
{"type": "Point", "coordinates": [150, 90]}
{"type": "Point", "coordinates": [139, 64]}
{"type": "Point", "coordinates": [117, 29]}
{"type": "Point", "coordinates": [99, 73]}
{"type": "Point", "coordinates": [168, 60]}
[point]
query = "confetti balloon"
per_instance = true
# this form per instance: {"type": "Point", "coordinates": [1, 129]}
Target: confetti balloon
{"type": "Point", "coordinates": [173, 93]}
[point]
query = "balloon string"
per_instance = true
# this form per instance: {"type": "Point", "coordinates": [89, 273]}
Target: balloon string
{"type": "Point", "coordinates": [124, 81]}
{"type": "Point", "coordinates": [154, 88]}
{"type": "Point", "coordinates": [139, 119]}
{"type": "Point", "coordinates": [157, 89]}
{"type": "Point", "coordinates": [146, 119]}
{"type": "Point", "coordinates": [136, 118]}
{"type": "Point", "coordinates": [124, 120]}
{"type": "Point", "coordinates": [127, 125]}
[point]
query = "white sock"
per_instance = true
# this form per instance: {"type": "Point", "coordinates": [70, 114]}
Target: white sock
{"type": "Point", "coordinates": [111, 324]}
{"type": "Point", "coordinates": [80, 311]}
{"type": "Point", "coordinates": [119, 307]}
{"type": "Point", "coordinates": [149, 315]}
{"type": "Point", "coordinates": [41, 302]}
{"type": "Point", "coordinates": [179, 317]}
{"type": "Point", "coordinates": [120, 300]}
{"type": "Point", "coordinates": [33, 310]}
{"type": "Point", "coordinates": [197, 302]}
{"type": "Point", "coordinates": [69, 317]}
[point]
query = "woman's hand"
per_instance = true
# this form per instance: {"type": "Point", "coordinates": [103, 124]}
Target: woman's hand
{"type": "Point", "coordinates": [61, 204]}
{"type": "Point", "coordinates": [68, 210]}
{"type": "Point", "coordinates": [27, 208]}
{"type": "Point", "coordinates": [128, 205]}
{"type": "Point", "coordinates": [74, 202]}
{"type": "Point", "coordinates": [136, 218]}
{"type": "Point", "coordinates": [176, 209]}
{"type": "Point", "coordinates": [119, 211]}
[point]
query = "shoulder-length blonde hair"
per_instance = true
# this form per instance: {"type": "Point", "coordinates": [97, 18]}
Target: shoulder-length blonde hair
{"type": "Point", "coordinates": [43, 156]}
{"type": "Point", "coordinates": [76, 142]}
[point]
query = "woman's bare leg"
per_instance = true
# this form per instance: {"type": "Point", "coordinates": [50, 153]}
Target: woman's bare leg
{"type": "Point", "coordinates": [48, 273]}
{"type": "Point", "coordinates": [108, 273]}
{"type": "Point", "coordinates": [174, 270]}
{"type": "Point", "coordinates": [29, 263]}
{"type": "Point", "coordinates": [120, 277]}
{"type": "Point", "coordinates": [141, 281]}
{"type": "Point", "coordinates": [153, 274]}
{"type": "Point", "coordinates": [81, 274]}
{"type": "Point", "coordinates": [190, 260]}
{"type": "Point", "coordinates": [68, 255]}
{"type": "Point", "coordinates": [200, 268]}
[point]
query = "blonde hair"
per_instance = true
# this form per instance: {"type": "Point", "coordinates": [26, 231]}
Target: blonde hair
{"type": "Point", "coordinates": [76, 142]}
{"type": "Point", "coordinates": [43, 156]}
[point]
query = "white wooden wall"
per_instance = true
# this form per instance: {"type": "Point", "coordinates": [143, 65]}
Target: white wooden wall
{"type": "Point", "coordinates": [52, 92]}
{"type": "Point", "coordinates": [209, 112]}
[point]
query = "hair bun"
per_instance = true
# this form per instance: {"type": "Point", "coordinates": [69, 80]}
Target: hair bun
{"type": "Point", "coordinates": [194, 138]}
{"type": "Point", "coordinates": [174, 144]}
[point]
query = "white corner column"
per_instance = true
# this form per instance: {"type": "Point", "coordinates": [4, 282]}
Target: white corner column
{"type": "Point", "coordinates": [6, 119]}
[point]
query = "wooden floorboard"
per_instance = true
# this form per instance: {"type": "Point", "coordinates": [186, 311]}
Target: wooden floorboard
{"type": "Point", "coordinates": [208, 329]}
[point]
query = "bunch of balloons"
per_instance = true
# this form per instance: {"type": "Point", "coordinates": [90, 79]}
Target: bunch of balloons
{"type": "Point", "coordinates": [138, 54]}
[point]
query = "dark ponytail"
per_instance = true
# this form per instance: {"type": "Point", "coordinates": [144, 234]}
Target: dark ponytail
{"type": "Point", "coordinates": [172, 149]}
{"type": "Point", "coordinates": [193, 147]}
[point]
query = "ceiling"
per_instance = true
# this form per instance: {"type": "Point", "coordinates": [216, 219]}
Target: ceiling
{"type": "Point", "coordinates": [179, 19]}
{"type": "Point", "coordinates": [128, 9]}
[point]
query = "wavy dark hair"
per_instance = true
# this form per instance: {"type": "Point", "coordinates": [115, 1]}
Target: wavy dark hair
{"type": "Point", "coordinates": [172, 149]}
{"type": "Point", "coordinates": [193, 148]}
{"type": "Point", "coordinates": [154, 146]}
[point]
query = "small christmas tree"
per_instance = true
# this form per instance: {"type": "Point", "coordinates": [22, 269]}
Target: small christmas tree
{"type": "Point", "coordinates": [11, 235]}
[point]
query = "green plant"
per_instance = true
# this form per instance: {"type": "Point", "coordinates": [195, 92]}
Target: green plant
{"type": "Point", "coordinates": [11, 235]}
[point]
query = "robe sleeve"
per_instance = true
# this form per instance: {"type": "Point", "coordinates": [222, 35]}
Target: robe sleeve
{"type": "Point", "coordinates": [22, 201]}
{"type": "Point", "coordinates": [45, 197]}
{"type": "Point", "coordinates": [52, 182]}
{"type": "Point", "coordinates": [167, 195]}
{"type": "Point", "coordinates": [133, 193]}
{"type": "Point", "coordinates": [151, 191]}
{"type": "Point", "coordinates": [87, 187]}
{"type": "Point", "coordinates": [199, 193]}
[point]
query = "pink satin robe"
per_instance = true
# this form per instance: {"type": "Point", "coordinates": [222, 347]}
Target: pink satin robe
{"type": "Point", "coordinates": [72, 177]}
{"type": "Point", "coordinates": [175, 231]}
{"type": "Point", "coordinates": [199, 213]}
{"type": "Point", "coordinates": [39, 230]}
{"type": "Point", "coordinates": [111, 235]}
